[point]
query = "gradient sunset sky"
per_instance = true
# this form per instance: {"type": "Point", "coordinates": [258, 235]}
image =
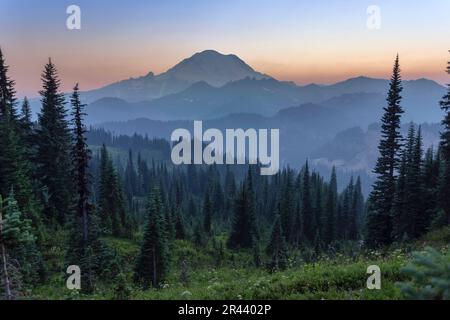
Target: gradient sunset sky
{"type": "Point", "coordinates": [320, 41]}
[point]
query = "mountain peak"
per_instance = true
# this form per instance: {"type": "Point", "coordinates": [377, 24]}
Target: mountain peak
{"type": "Point", "coordinates": [213, 67]}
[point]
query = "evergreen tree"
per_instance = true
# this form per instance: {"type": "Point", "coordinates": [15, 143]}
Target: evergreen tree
{"type": "Point", "coordinates": [184, 273]}
{"type": "Point", "coordinates": [207, 214]}
{"type": "Point", "coordinates": [21, 262]}
{"type": "Point", "coordinates": [345, 215]}
{"type": "Point", "coordinates": [287, 206]}
{"type": "Point", "coordinates": [445, 135]}
{"type": "Point", "coordinates": [192, 208]}
{"type": "Point", "coordinates": [106, 179]}
{"type": "Point", "coordinates": [230, 188]}
{"type": "Point", "coordinates": [27, 134]}
{"type": "Point", "coordinates": [153, 261]}
{"type": "Point", "coordinates": [199, 236]}
{"type": "Point", "coordinates": [130, 179]}
{"type": "Point", "coordinates": [430, 181]}
{"type": "Point", "coordinates": [399, 207]}
{"type": "Point", "coordinates": [415, 199]}
{"type": "Point", "coordinates": [7, 92]}
{"type": "Point", "coordinates": [318, 210]}
{"type": "Point", "coordinates": [26, 123]}
{"type": "Point", "coordinates": [26, 113]}
{"type": "Point", "coordinates": [330, 209]}
{"type": "Point", "coordinates": [379, 222]}
{"type": "Point", "coordinates": [14, 167]}
{"type": "Point", "coordinates": [170, 222]}
{"type": "Point", "coordinates": [307, 209]}
{"type": "Point", "coordinates": [85, 249]}
{"type": "Point", "coordinates": [53, 149]}
{"type": "Point", "coordinates": [80, 158]}
{"type": "Point", "coordinates": [407, 212]}
{"type": "Point", "coordinates": [444, 186]}
{"type": "Point", "coordinates": [276, 248]}
{"type": "Point", "coordinates": [143, 177]}
{"type": "Point", "coordinates": [112, 213]}
{"type": "Point", "coordinates": [350, 231]}
{"type": "Point", "coordinates": [256, 254]}
{"type": "Point", "coordinates": [217, 197]}
{"type": "Point", "coordinates": [6, 276]}
{"type": "Point", "coordinates": [180, 231]}
{"type": "Point", "coordinates": [243, 231]}
{"type": "Point", "coordinates": [357, 210]}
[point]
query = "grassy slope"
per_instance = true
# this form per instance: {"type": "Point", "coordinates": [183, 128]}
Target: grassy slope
{"type": "Point", "coordinates": [339, 278]}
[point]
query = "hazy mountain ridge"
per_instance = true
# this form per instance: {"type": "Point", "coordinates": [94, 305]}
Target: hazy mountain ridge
{"type": "Point", "coordinates": [209, 85]}
{"type": "Point", "coordinates": [268, 96]}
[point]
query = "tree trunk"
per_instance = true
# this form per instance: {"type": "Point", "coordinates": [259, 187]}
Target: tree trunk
{"type": "Point", "coordinates": [154, 268]}
{"type": "Point", "coordinates": [85, 223]}
{"type": "Point", "coordinates": [8, 294]}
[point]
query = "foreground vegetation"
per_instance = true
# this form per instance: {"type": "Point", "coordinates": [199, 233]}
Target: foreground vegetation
{"type": "Point", "coordinates": [342, 276]}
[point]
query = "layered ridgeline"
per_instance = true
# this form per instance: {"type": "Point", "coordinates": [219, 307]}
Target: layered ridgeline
{"type": "Point", "coordinates": [211, 85]}
{"type": "Point", "coordinates": [268, 96]}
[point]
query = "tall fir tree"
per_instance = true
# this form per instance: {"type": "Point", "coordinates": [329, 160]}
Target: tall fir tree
{"type": "Point", "coordinates": [444, 185]}
{"type": "Point", "coordinates": [84, 249]}
{"type": "Point", "coordinates": [379, 222]}
{"type": "Point", "coordinates": [307, 208]}
{"type": "Point", "coordinates": [358, 206]}
{"type": "Point", "coordinates": [153, 261]}
{"type": "Point", "coordinates": [287, 206]}
{"type": "Point", "coordinates": [352, 226]}
{"type": "Point", "coordinates": [80, 159]}
{"type": "Point", "coordinates": [330, 209]}
{"type": "Point", "coordinates": [14, 167]}
{"type": "Point", "coordinates": [112, 214]}
{"type": "Point", "coordinates": [277, 248]}
{"type": "Point", "coordinates": [53, 149]}
{"type": "Point", "coordinates": [243, 231]}
{"type": "Point", "coordinates": [130, 179]}
{"type": "Point", "coordinates": [26, 122]}
{"type": "Point", "coordinates": [417, 223]}
{"type": "Point", "coordinates": [27, 133]}
{"type": "Point", "coordinates": [430, 180]}
{"type": "Point", "coordinates": [399, 214]}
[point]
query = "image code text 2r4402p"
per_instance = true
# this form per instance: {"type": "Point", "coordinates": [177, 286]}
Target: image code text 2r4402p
{"type": "Point", "coordinates": [224, 159]}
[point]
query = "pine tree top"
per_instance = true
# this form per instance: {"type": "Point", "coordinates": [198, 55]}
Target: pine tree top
{"type": "Point", "coordinates": [7, 92]}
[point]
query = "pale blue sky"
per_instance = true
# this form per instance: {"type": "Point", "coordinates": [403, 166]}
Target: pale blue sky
{"type": "Point", "coordinates": [304, 41]}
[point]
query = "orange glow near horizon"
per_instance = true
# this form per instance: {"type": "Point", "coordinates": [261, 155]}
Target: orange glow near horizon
{"type": "Point", "coordinates": [306, 42]}
{"type": "Point", "coordinates": [94, 72]}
